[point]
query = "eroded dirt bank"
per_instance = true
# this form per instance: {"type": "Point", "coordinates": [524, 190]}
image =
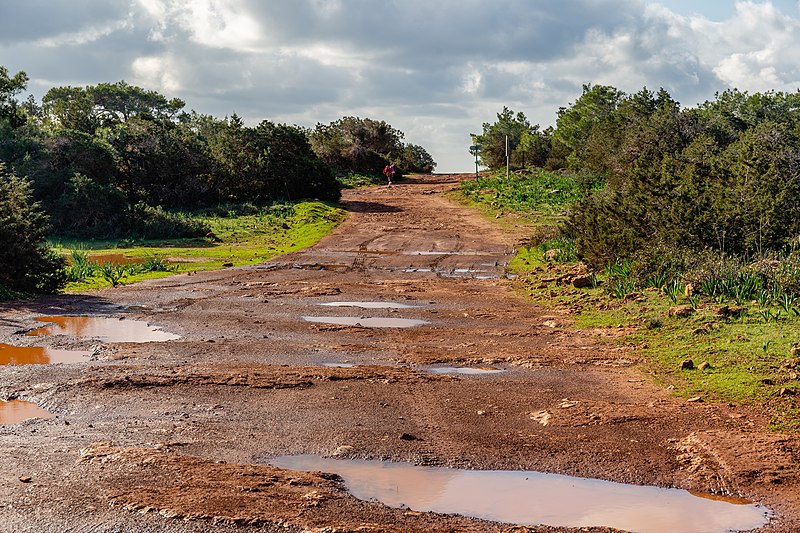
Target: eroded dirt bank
{"type": "Point", "coordinates": [176, 436]}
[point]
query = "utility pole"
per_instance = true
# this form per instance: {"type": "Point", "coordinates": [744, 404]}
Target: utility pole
{"type": "Point", "coordinates": [508, 159]}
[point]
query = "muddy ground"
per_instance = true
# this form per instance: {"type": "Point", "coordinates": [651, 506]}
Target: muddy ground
{"type": "Point", "coordinates": [176, 436]}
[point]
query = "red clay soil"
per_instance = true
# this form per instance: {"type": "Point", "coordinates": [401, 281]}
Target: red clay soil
{"type": "Point", "coordinates": [177, 435]}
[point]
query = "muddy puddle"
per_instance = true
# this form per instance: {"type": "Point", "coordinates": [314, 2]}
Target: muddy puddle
{"type": "Point", "coordinates": [533, 498]}
{"type": "Point", "coordinates": [371, 305]}
{"type": "Point", "coordinates": [115, 259]}
{"type": "Point", "coordinates": [463, 370]}
{"type": "Point", "coordinates": [366, 322]}
{"type": "Point", "coordinates": [38, 355]}
{"type": "Point", "coordinates": [16, 411]}
{"type": "Point", "coordinates": [104, 329]}
{"type": "Point", "coordinates": [476, 273]}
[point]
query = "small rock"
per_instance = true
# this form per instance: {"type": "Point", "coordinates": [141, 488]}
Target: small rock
{"type": "Point", "coordinates": [786, 392]}
{"type": "Point", "coordinates": [730, 310]}
{"type": "Point", "coordinates": [481, 413]}
{"type": "Point", "coordinates": [25, 479]}
{"type": "Point", "coordinates": [582, 282]}
{"type": "Point", "coordinates": [681, 311]}
{"type": "Point", "coordinates": [705, 365]}
{"type": "Point", "coordinates": [408, 436]}
{"type": "Point", "coordinates": [767, 381]}
{"type": "Point", "coordinates": [794, 351]}
{"type": "Point", "coordinates": [792, 363]}
{"type": "Point", "coordinates": [227, 265]}
{"type": "Point", "coordinates": [552, 255]}
{"type": "Point", "coordinates": [543, 417]}
{"type": "Point", "coordinates": [688, 364]}
{"type": "Point", "coordinates": [696, 399]}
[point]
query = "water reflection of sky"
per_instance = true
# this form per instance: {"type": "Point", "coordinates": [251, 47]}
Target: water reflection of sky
{"type": "Point", "coordinates": [534, 498]}
{"type": "Point", "coordinates": [105, 329]}
{"type": "Point", "coordinates": [367, 322]}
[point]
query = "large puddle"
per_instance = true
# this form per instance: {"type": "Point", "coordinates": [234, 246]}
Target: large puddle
{"type": "Point", "coordinates": [464, 370]}
{"type": "Point", "coordinates": [371, 305]}
{"type": "Point", "coordinates": [104, 329]}
{"type": "Point", "coordinates": [17, 411]}
{"type": "Point", "coordinates": [38, 355]}
{"type": "Point", "coordinates": [534, 498]}
{"type": "Point", "coordinates": [366, 322]}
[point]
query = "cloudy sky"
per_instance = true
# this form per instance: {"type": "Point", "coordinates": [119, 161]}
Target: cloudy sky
{"type": "Point", "coordinates": [435, 69]}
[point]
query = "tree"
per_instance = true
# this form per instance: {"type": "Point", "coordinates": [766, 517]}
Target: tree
{"type": "Point", "coordinates": [509, 126]}
{"type": "Point", "coordinates": [534, 147]}
{"type": "Point", "coordinates": [575, 123]}
{"type": "Point", "coordinates": [106, 105]}
{"type": "Point", "coordinates": [26, 263]}
{"type": "Point", "coordinates": [353, 144]}
{"type": "Point", "coordinates": [416, 159]}
{"type": "Point", "coordinates": [9, 88]}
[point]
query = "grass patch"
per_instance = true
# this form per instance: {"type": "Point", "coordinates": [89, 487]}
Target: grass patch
{"type": "Point", "coordinates": [239, 235]}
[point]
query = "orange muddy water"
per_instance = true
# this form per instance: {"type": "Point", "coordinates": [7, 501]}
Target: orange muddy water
{"type": "Point", "coordinates": [16, 411]}
{"type": "Point", "coordinates": [39, 355]}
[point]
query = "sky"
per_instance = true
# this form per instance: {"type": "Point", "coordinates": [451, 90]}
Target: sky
{"type": "Point", "coordinates": [435, 69]}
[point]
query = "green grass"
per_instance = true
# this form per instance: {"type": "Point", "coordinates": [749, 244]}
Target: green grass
{"type": "Point", "coordinates": [541, 192]}
{"type": "Point", "coordinates": [234, 240]}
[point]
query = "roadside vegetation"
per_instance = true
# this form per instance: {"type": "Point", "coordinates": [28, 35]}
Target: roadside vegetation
{"type": "Point", "coordinates": [113, 163]}
{"type": "Point", "coordinates": [673, 232]}
{"type": "Point", "coordinates": [237, 235]}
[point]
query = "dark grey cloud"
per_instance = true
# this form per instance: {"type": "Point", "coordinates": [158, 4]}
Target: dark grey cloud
{"type": "Point", "coordinates": [31, 20]}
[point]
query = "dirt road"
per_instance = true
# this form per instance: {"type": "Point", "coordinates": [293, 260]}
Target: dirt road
{"type": "Point", "coordinates": [177, 435]}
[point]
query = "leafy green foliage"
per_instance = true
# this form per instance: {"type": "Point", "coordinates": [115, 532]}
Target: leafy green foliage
{"type": "Point", "coordinates": [525, 143]}
{"type": "Point", "coordinates": [415, 158]}
{"type": "Point", "coordinates": [26, 263]}
{"type": "Point", "coordinates": [353, 144]}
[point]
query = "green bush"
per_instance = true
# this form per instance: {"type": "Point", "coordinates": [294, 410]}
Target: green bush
{"type": "Point", "coordinates": [27, 265]}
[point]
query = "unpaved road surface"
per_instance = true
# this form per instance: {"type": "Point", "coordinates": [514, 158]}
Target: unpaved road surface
{"type": "Point", "coordinates": [177, 436]}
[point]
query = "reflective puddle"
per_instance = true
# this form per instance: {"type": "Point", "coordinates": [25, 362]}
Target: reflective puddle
{"type": "Point", "coordinates": [371, 305]}
{"type": "Point", "coordinates": [466, 370]}
{"type": "Point", "coordinates": [338, 365]}
{"type": "Point", "coordinates": [37, 355]}
{"type": "Point", "coordinates": [17, 411]}
{"type": "Point", "coordinates": [105, 329]}
{"type": "Point", "coordinates": [533, 498]}
{"type": "Point", "coordinates": [366, 322]}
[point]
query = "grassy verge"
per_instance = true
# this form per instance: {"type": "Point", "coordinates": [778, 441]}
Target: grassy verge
{"type": "Point", "coordinates": [235, 239]}
{"type": "Point", "coordinates": [743, 351]}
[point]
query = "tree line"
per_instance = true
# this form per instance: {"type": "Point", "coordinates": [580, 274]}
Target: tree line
{"type": "Point", "coordinates": [115, 160]}
{"type": "Point", "coordinates": [669, 185]}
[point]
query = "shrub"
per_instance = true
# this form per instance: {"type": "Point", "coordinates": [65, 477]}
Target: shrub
{"type": "Point", "coordinates": [27, 265]}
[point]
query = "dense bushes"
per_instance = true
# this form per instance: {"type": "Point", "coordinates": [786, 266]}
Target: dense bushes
{"type": "Point", "coordinates": [118, 161]}
{"type": "Point", "coordinates": [26, 263]}
{"type": "Point", "coordinates": [724, 177]}
{"type": "Point", "coordinates": [353, 145]}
